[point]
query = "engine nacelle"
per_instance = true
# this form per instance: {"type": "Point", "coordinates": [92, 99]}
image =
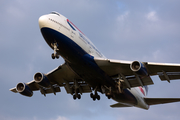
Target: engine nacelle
{"type": "Point", "coordinates": [41, 79]}
{"type": "Point", "coordinates": [138, 68]}
{"type": "Point", "coordinates": [23, 89]}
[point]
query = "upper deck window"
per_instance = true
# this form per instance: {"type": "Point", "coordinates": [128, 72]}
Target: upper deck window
{"type": "Point", "coordinates": [55, 13]}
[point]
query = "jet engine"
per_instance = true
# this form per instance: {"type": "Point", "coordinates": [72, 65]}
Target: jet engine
{"type": "Point", "coordinates": [23, 89]}
{"type": "Point", "coordinates": [138, 68]}
{"type": "Point", "coordinates": [42, 80]}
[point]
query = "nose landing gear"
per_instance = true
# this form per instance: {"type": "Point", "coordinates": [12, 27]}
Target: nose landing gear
{"type": "Point", "coordinates": [55, 54]}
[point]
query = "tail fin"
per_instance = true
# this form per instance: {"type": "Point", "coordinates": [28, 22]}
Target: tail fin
{"type": "Point", "coordinates": [155, 101]}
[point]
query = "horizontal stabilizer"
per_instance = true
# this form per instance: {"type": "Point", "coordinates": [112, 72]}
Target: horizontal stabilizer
{"type": "Point", "coordinates": [120, 105]}
{"type": "Point", "coordinates": [155, 101]}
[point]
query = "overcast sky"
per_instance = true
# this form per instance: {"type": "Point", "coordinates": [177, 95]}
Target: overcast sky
{"type": "Point", "coordinates": [143, 30]}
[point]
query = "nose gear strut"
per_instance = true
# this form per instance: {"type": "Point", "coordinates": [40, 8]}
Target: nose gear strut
{"type": "Point", "coordinates": [55, 54]}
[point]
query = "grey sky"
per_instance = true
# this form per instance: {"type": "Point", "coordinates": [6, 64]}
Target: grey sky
{"type": "Point", "coordinates": [126, 30]}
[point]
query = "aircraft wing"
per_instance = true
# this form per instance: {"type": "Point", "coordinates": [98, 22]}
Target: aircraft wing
{"type": "Point", "coordinates": [132, 78]}
{"type": "Point", "coordinates": [62, 76]}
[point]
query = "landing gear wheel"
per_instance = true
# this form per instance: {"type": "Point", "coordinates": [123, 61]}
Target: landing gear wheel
{"type": "Point", "coordinates": [79, 96]}
{"type": "Point", "coordinates": [91, 95]}
{"type": "Point", "coordinates": [94, 98]}
{"type": "Point", "coordinates": [53, 57]}
{"type": "Point", "coordinates": [57, 56]}
{"type": "Point", "coordinates": [109, 97]}
{"type": "Point", "coordinates": [98, 97]}
{"type": "Point", "coordinates": [74, 97]}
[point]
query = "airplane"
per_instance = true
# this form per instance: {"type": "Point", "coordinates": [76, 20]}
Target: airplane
{"type": "Point", "coordinates": [87, 70]}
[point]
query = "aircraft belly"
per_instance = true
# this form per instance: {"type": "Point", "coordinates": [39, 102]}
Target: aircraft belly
{"type": "Point", "coordinates": [126, 97]}
{"type": "Point", "coordinates": [80, 61]}
{"type": "Point", "coordinates": [87, 69]}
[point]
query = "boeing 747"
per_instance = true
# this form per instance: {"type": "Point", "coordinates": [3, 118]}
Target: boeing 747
{"type": "Point", "coordinates": [87, 70]}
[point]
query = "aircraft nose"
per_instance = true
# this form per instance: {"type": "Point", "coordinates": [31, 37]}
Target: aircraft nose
{"type": "Point", "coordinates": [43, 20]}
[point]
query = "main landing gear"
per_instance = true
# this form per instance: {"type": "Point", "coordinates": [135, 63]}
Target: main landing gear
{"type": "Point", "coordinates": [109, 95]}
{"type": "Point", "coordinates": [95, 95]}
{"type": "Point", "coordinates": [77, 95]}
{"type": "Point", "coordinates": [119, 89]}
{"type": "Point", "coordinates": [55, 54]}
{"type": "Point", "coordinates": [76, 90]}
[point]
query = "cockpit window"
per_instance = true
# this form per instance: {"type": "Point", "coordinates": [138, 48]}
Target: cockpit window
{"type": "Point", "coordinates": [55, 13]}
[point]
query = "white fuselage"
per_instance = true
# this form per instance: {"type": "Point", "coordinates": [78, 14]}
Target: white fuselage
{"type": "Point", "coordinates": [62, 25]}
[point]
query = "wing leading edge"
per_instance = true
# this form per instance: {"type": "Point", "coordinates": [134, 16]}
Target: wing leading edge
{"type": "Point", "coordinates": [62, 76]}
